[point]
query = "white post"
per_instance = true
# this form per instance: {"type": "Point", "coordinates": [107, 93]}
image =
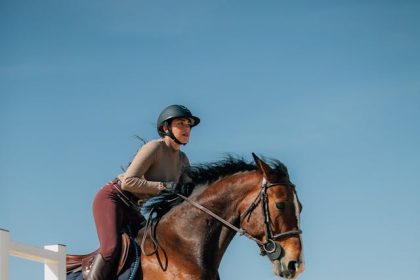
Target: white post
{"type": "Point", "coordinates": [53, 257]}
{"type": "Point", "coordinates": [4, 254]}
{"type": "Point", "coordinates": [56, 270]}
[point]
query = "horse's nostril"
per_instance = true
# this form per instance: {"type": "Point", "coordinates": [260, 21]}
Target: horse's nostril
{"type": "Point", "coordinates": [292, 266]}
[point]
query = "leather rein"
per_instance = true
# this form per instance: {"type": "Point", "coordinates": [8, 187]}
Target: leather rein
{"type": "Point", "coordinates": [270, 248]}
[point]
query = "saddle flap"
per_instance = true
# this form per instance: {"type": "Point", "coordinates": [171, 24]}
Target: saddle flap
{"type": "Point", "coordinates": [125, 248]}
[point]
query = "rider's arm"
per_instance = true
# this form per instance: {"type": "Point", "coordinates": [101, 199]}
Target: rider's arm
{"type": "Point", "coordinates": [133, 179]}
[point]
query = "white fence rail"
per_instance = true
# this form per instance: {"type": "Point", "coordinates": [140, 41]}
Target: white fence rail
{"type": "Point", "coordinates": [52, 256]}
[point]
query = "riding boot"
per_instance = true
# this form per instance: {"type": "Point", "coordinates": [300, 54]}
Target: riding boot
{"type": "Point", "coordinates": [101, 269]}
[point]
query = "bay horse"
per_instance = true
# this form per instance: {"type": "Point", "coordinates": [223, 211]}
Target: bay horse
{"type": "Point", "coordinates": [256, 200]}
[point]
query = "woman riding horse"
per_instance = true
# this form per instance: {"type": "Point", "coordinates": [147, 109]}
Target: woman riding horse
{"type": "Point", "coordinates": [159, 165]}
{"type": "Point", "coordinates": [186, 237]}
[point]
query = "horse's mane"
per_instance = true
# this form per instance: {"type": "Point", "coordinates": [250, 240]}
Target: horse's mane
{"type": "Point", "coordinates": [207, 173]}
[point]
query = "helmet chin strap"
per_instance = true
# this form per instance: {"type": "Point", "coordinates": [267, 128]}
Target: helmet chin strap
{"type": "Point", "coordinates": [171, 134]}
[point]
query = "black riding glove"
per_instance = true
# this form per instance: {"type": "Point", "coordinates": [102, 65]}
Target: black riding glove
{"type": "Point", "coordinates": [186, 189]}
{"type": "Point", "coordinates": [172, 187]}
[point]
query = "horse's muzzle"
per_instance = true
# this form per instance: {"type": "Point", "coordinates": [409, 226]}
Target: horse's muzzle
{"type": "Point", "coordinates": [287, 270]}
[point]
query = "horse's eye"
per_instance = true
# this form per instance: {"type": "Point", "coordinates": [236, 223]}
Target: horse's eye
{"type": "Point", "coordinates": [281, 205]}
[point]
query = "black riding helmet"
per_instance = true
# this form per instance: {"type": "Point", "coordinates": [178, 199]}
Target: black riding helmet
{"type": "Point", "coordinates": [171, 112]}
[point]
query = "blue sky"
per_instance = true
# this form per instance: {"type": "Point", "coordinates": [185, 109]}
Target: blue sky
{"type": "Point", "coordinates": [331, 88]}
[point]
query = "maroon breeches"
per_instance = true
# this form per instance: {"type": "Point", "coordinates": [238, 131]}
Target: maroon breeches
{"type": "Point", "coordinates": [111, 216]}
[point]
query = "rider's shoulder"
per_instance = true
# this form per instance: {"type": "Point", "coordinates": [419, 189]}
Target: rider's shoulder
{"type": "Point", "coordinates": [154, 144]}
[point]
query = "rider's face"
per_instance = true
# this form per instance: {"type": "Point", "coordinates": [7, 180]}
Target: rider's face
{"type": "Point", "coordinates": [181, 128]}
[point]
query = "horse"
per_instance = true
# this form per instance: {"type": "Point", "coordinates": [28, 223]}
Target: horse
{"type": "Point", "coordinates": [186, 237]}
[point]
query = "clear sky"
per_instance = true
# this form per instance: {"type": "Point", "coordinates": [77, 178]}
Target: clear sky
{"type": "Point", "coordinates": [331, 88]}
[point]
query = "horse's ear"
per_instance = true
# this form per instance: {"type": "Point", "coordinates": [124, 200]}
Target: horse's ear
{"type": "Point", "coordinates": [256, 158]}
{"type": "Point", "coordinates": [262, 166]}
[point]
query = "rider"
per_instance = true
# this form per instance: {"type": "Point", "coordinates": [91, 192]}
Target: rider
{"type": "Point", "coordinates": [158, 165]}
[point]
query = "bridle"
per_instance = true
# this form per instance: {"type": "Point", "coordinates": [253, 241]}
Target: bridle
{"type": "Point", "coordinates": [269, 247]}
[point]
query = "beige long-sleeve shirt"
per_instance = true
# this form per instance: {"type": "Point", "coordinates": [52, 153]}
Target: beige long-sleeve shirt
{"type": "Point", "coordinates": [154, 163]}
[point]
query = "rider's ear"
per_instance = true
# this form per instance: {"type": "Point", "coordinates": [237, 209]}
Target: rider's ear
{"type": "Point", "coordinates": [262, 166]}
{"type": "Point", "coordinates": [165, 127]}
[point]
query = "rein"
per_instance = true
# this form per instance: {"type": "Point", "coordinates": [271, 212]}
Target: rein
{"type": "Point", "coordinates": [223, 221]}
{"type": "Point", "coordinates": [270, 247]}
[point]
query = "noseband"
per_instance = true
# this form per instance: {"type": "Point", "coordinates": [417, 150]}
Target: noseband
{"type": "Point", "coordinates": [269, 247]}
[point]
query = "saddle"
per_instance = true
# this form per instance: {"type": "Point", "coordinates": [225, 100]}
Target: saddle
{"type": "Point", "coordinates": [82, 263]}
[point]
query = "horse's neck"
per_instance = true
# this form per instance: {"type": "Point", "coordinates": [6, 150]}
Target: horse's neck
{"type": "Point", "coordinates": [203, 234]}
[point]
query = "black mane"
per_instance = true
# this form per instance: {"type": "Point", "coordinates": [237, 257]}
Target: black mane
{"type": "Point", "coordinates": [207, 173]}
{"type": "Point", "coordinates": [211, 172]}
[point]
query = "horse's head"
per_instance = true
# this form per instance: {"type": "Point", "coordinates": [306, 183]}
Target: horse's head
{"type": "Point", "coordinates": [271, 214]}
